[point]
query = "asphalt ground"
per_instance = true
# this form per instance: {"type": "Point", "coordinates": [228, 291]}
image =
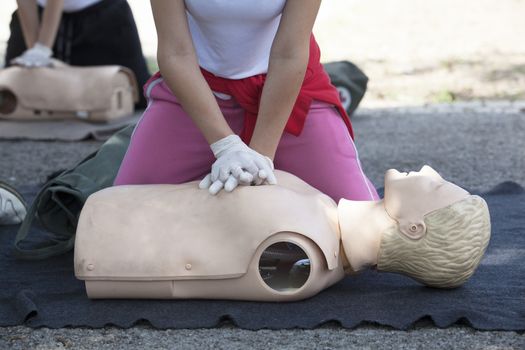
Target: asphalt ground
{"type": "Point", "coordinates": [476, 149]}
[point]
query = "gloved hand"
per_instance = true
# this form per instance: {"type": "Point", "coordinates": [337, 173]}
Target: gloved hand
{"type": "Point", "coordinates": [237, 164]}
{"type": "Point", "coordinates": [37, 56]}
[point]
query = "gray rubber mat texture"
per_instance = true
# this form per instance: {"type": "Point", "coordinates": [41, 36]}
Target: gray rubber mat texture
{"type": "Point", "coordinates": [46, 293]}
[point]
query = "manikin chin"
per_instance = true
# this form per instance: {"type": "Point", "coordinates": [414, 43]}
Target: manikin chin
{"type": "Point", "coordinates": [275, 243]}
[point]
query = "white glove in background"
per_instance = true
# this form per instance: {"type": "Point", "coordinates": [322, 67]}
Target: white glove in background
{"type": "Point", "coordinates": [12, 209]}
{"type": "Point", "coordinates": [237, 164]}
{"type": "Point", "coordinates": [37, 56]}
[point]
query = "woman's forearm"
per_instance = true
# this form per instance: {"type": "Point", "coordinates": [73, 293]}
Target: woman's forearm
{"type": "Point", "coordinates": [180, 69]}
{"type": "Point", "coordinates": [50, 22]}
{"type": "Point", "coordinates": [182, 74]}
{"type": "Point", "coordinates": [28, 15]}
{"type": "Point", "coordinates": [284, 79]}
{"type": "Point", "coordinates": [287, 66]}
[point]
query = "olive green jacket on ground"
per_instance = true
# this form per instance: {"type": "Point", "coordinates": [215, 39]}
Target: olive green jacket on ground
{"type": "Point", "coordinates": [58, 204]}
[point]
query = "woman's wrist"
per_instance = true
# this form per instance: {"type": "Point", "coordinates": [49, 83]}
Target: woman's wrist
{"type": "Point", "coordinates": [264, 146]}
{"type": "Point", "coordinates": [220, 146]}
{"type": "Point", "coordinates": [215, 133]}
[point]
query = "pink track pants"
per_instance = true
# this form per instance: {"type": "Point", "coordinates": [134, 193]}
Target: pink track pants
{"type": "Point", "coordinates": [168, 148]}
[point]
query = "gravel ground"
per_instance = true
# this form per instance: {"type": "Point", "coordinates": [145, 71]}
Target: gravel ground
{"type": "Point", "coordinates": [232, 338]}
{"type": "Point", "coordinates": [477, 146]}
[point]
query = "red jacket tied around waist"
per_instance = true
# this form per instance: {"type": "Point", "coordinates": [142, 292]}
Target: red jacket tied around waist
{"type": "Point", "coordinates": [247, 92]}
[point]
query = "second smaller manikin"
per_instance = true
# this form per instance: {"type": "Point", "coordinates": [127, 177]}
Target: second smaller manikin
{"type": "Point", "coordinates": [274, 243]}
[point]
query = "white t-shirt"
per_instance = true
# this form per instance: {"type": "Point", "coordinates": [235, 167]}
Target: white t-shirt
{"type": "Point", "coordinates": [72, 5]}
{"type": "Point", "coordinates": [233, 38]}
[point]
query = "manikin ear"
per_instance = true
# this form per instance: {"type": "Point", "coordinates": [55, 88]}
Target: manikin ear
{"type": "Point", "coordinates": [413, 229]}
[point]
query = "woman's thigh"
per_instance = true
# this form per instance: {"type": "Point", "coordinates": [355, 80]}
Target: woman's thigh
{"type": "Point", "coordinates": [324, 155]}
{"type": "Point", "coordinates": [166, 146]}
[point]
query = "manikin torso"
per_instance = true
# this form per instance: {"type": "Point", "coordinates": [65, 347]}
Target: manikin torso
{"type": "Point", "coordinates": [176, 241]}
{"type": "Point", "coordinates": [182, 233]}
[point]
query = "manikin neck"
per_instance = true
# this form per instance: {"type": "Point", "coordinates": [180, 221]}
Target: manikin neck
{"type": "Point", "coordinates": [361, 224]}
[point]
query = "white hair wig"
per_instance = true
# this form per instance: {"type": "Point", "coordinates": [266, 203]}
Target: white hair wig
{"type": "Point", "coordinates": [450, 251]}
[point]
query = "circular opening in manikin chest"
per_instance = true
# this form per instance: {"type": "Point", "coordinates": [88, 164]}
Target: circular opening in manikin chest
{"type": "Point", "coordinates": [7, 102]}
{"type": "Point", "coordinates": [284, 267]}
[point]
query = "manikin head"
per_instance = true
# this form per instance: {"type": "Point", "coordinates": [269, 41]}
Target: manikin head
{"type": "Point", "coordinates": [425, 227]}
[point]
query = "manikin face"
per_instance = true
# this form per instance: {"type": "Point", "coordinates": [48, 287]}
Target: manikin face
{"type": "Point", "coordinates": [409, 197]}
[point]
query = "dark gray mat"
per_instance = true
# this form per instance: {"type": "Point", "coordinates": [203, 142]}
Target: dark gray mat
{"type": "Point", "coordinates": [46, 293]}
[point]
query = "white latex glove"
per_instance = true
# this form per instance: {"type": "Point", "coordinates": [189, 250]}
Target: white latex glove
{"type": "Point", "coordinates": [237, 164]}
{"type": "Point", "coordinates": [12, 209]}
{"type": "Point", "coordinates": [214, 187]}
{"type": "Point", "coordinates": [37, 56]}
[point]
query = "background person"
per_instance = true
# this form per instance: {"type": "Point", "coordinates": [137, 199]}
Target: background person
{"type": "Point", "coordinates": [78, 32]}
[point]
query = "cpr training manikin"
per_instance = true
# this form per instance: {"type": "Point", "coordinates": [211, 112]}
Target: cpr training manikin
{"type": "Point", "coordinates": [282, 242]}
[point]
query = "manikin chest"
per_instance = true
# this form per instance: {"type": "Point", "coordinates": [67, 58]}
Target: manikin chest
{"type": "Point", "coordinates": [178, 236]}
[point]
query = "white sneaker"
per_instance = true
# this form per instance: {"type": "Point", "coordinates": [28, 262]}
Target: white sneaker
{"type": "Point", "coordinates": [12, 206]}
